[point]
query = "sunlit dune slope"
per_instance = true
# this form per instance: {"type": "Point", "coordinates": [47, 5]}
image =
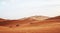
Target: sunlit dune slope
{"type": "Point", "coordinates": [47, 21]}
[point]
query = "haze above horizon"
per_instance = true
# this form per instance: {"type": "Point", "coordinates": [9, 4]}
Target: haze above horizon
{"type": "Point", "coordinates": [13, 9]}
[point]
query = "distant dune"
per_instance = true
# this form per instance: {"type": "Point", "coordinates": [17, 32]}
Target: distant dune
{"type": "Point", "coordinates": [34, 24]}
{"type": "Point", "coordinates": [22, 21]}
{"type": "Point", "coordinates": [2, 20]}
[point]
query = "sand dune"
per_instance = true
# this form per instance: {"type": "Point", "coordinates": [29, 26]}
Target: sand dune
{"type": "Point", "coordinates": [22, 21]}
{"type": "Point", "coordinates": [49, 25]}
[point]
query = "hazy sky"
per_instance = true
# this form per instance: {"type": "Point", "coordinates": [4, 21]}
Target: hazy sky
{"type": "Point", "coordinates": [12, 9]}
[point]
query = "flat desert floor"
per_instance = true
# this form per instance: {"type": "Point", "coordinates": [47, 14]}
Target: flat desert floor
{"type": "Point", "coordinates": [44, 28]}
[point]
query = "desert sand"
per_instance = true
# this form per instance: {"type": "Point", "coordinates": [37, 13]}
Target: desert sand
{"type": "Point", "coordinates": [31, 25]}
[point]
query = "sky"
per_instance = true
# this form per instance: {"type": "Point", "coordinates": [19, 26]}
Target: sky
{"type": "Point", "coordinates": [13, 9]}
